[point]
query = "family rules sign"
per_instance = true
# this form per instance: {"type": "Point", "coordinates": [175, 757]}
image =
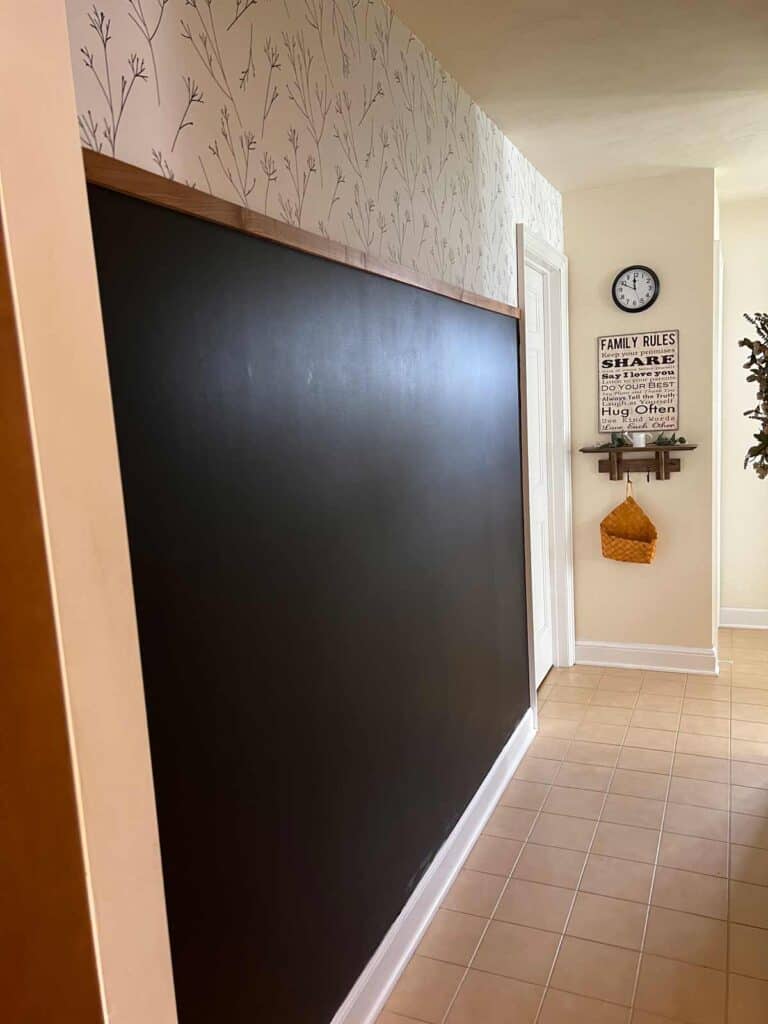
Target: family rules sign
{"type": "Point", "coordinates": [638, 381]}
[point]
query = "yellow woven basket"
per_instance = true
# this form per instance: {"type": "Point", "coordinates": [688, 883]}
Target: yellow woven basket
{"type": "Point", "coordinates": [627, 534]}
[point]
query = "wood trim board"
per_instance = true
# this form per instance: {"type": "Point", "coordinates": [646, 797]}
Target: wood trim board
{"type": "Point", "coordinates": [108, 172]}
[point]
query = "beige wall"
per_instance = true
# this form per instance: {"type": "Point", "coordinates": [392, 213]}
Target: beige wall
{"type": "Point", "coordinates": [668, 223]}
{"type": "Point", "coordinates": [744, 227]}
{"type": "Point", "coordinates": [63, 357]}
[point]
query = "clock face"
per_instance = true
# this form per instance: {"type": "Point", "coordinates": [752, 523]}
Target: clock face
{"type": "Point", "coordinates": [635, 289]}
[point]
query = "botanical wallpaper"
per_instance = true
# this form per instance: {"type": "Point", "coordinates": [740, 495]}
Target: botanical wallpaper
{"type": "Point", "coordinates": [327, 114]}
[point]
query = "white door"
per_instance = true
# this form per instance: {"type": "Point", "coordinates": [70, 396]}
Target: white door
{"type": "Point", "coordinates": [536, 377]}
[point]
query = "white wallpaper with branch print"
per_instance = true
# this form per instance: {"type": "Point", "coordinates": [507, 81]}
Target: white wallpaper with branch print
{"type": "Point", "coordinates": [327, 114]}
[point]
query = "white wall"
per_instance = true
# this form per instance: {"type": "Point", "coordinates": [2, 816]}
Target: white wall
{"type": "Point", "coordinates": [668, 223]}
{"type": "Point", "coordinates": [389, 155]}
{"type": "Point", "coordinates": [744, 228]}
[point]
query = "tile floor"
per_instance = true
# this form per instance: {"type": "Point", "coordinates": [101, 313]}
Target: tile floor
{"type": "Point", "coordinates": [623, 877]}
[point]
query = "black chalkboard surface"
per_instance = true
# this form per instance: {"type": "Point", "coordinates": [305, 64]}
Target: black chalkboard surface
{"type": "Point", "coordinates": [322, 482]}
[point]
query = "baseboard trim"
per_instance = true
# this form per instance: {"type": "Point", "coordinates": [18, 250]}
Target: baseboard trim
{"type": "Point", "coordinates": [654, 657]}
{"type": "Point", "coordinates": [372, 988]}
{"type": "Point", "coordinates": [744, 618]}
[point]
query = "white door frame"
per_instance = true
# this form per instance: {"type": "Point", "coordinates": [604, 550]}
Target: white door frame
{"type": "Point", "coordinates": [553, 264]}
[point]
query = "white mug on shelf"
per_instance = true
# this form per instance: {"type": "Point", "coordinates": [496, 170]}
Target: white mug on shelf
{"type": "Point", "coordinates": [639, 440]}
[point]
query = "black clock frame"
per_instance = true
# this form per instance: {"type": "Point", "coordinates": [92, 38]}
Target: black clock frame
{"type": "Point", "coordinates": [635, 266]}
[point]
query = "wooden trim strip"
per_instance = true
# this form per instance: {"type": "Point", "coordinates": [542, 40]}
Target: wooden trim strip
{"type": "Point", "coordinates": [118, 176]}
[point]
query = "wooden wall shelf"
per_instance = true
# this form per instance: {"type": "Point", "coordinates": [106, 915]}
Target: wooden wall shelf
{"type": "Point", "coordinates": [654, 458]}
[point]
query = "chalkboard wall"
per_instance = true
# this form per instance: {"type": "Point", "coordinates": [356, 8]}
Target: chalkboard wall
{"type": "Point", "coordinates": [322, 483]}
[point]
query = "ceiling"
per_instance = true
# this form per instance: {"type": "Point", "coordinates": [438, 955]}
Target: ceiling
{"type": "Point", "coordinates": [595, 92]}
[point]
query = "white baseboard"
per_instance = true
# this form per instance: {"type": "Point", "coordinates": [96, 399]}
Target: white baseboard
{"type": "Point", "coordinates": [654, 657]}
{"type": "Point", "coordinates": [744, 618]}
{"type": "Point", "coordinates": [372, 988]}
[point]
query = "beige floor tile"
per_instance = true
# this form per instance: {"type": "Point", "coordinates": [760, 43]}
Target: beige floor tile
{"type": "Point", "coordinates": [749, 864]}
{"type": "Point", "coordinates": [536, 769]}
{"type": "Point", "coordinates": [549, 747]}
{"type": "Point", "coordinates": [527, 795]}
{"type": "Point", "coordinates": [595, 732]}
{"type": "Point", "coordinates": [747, 1000]}
{"type": "Point", "coordinates": [577, 803]}
{"type": "Point", "coordinates": [493, 999]}
{"type": "Point", "coordinates": [607, 716]}
{"type": "Point", "coordinates": [707, 691]}
{"type": "Point", "coordinates": [535, 905]}
{"type": "Point", "coordinates": [749, 830]}
{"type": "Point", "coordinates": [704, 725]}
{"type": "Point", "coordinates": [581, 752]}
{"type": "Point", "coordinates": [425, 989]}
{"type": "Point", "coordinates": [694, 854]}
{"type": "Point", "coordinates": [558, 727]}
{"type": "Point", "coordinates": [696, 792]}
{"type": "Point", "coordinates": [623, 879]}
{"type": "Point", "coordinates": [616, 684]}
{"type": "Point", "coordinates": [550, 865]}
{"type": "Point", "coordinates": [659, 702]}
{"type": "Point", "coordinates": [750, 695]}
{"type": "Point", "coordinates": [567, 1008]}
{"type": "Point", "coordinates": [745, 774]}
{"type": "Point", "coordinates": [605, 919]}
{"type": "Point", "coordinates": [706, 746]}
{"type": "Point", "coordinates": [510, 823]}
{"type": "Point", "coordinates": [655, 719]}
{"type": "Point", "coordinates": [749, 800]}
{"type": "Point", "coordinates": [692, 893]}
{"type": "Point", "coordinates": [638, 759]}
{"type": "Point", "coordinates": [682, 992]}
{"type": "Point", "coordinates": [748, 730]}
{"type": "Point", "coordinates": [750, 750]}
{"type": "Point", "coordinates": [688, 937]}
{"type": "Point", "coordinates": [571, 694]}
{"type": "Point", "coordinates": [650, 739]}
{"type": "Point", "coordinates": [748, 952]}
{"type": "Point", "coordinates": [633, 810]}
{"type": "Point", "coordinates": [517, 952]}
{"type": "Point", "coordinates": [568, 712]}
{"type": "Point", "coordinates": [646, 784]}
{"type": "Point", "coordinates": [708, 769]}
{"type": "Point", "coordinates": [474, 892]}
{"type": "Point", "coordinates": [452, 937]}
{"type": "Point", "coordinates": [394, 1018]}
{"type": "Point", "coordinates": [612, 699]}
{"type": "Point", "coordinates": [660, 686]}
{"type": "Point", "coordinates": [641, 1017]}
{"type": "Point", "coordinates": [749, 904]}
{"type": "Point", "coordinates": [594, 970]}
{"type": "Point", "coordinates": [749, 712]}
{"type": "Point", "coordinates": [562, 831]}
{"type": "Point", "coordinates": [494, 855]}
{"type": "Point", "coordinates": [583, 776]}
{"type": "Point", "coordinates": [696, 821]}
{"type": "Point", "coordinates": [626, 841]}
{"type": "Point", "coordinates": [706, 708]}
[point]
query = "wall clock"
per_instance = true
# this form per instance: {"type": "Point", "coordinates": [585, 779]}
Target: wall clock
{"type": "Point", "coordinates": [635, 288]}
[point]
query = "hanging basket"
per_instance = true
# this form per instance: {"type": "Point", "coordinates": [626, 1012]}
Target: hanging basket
{"type": "Point", "coordinates": [627, 534]}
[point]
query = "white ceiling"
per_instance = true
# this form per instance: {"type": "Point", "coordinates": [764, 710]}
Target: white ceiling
{"type": "Point", "coordinates": [595, 92]}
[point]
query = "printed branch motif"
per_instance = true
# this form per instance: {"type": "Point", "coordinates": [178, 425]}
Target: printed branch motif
{"type": "Point", "coordinates": [194, 95]}
{"type": "Point", "coordinates": [163, 165]}
{"type": "Point", "coordinates": [271, 92]}
{"type": "Point", "coordinates": [406, 79]}
{"type": "Point", "coordinates": [235, 162]}
{"type": "Point", "coordinates": [136, 14]}
{"type": "Point", "coordinates": [344, 132]}
{"type": "Point", "coordinates": [404, 159]}
{"type": "Point", "coordinates": [361, 218]}
{"type": "Point", "coordinates": [269, 168]}
{"type": "Point", "coordinates": [249, 71]}
{"type": "Point", "coordinates": [383, 30]}
{"type": "Point", "coordinates": [101, 25]}
{"type": "Point", "coordinates": [89, 131]}
{"type": "Point", "coordinates": [293, 209]}
{"type": "Point", "coordinates": [401, 223]}
{"type": "Point", "coordinates": [383, 163]}
{"type": "Point", "coordinates": [241, 6]}
{"type": "Point", "coordinates": [312, 100]}
{"type": "Point", "coordinates": [314, 11]}
{"type": "Point", "coordinates": [370, 94]}
{"type": "Point", "coordinates": [335, 194]}
{"type": "Point", "coordinates": [206, 46]}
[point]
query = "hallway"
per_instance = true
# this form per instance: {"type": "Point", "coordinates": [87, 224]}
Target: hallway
{"type": "Point", "coordinates": [623, 877]}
